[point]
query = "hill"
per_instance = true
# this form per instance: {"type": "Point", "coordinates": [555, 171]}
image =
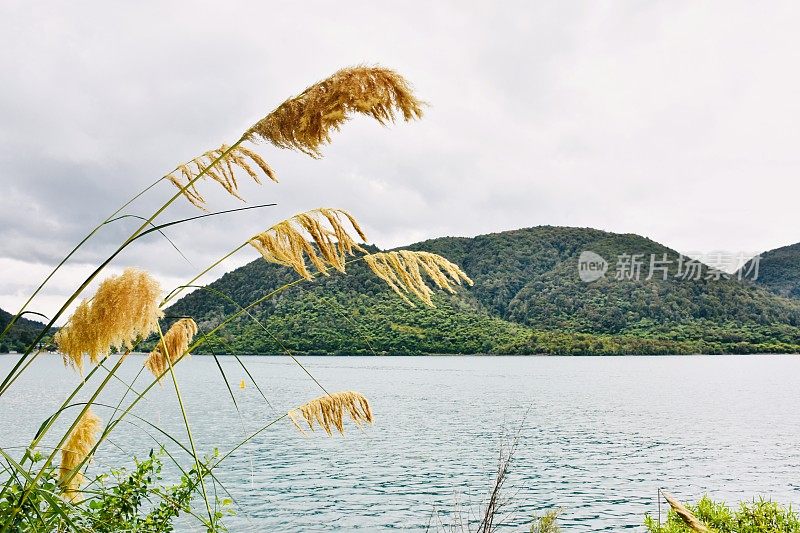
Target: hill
{"type": "Point", "coordinates": [20, 335]}
{"type": "Point", "coordinates": [528, 298]}
{"type": "Point", "coordinates": [779, 270]}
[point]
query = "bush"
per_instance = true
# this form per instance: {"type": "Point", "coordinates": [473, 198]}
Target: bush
{"type": "Point", "coordinates": [758, 516]}
{"type": "Point", "coordinates": [118, 501]}
{"type": "Point", "coordinates": [547, 523]}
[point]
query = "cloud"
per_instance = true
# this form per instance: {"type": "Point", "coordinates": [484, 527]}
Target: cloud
{"type": "Point", "coordinates": [676, 121]}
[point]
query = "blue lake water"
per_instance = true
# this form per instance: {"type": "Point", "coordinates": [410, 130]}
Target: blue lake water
{"type": "Point", "coordinates": [601, 435]}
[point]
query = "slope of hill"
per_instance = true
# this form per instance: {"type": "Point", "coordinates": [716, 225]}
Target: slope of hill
{"type": "Point", "coordinates": [530, 276]}
{"type": "Point", "coordinates": [528, 298]}
{"type": "Point", "coordinates": [21, 334]}
{"type": "Point", "coordinates": [779, 270]}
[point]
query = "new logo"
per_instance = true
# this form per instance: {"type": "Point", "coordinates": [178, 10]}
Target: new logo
{"type": "Point", "coordinates": [591, 266]}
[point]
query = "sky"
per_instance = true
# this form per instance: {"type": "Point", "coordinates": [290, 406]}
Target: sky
{"type": "Point", "coordinates": [677, 120]}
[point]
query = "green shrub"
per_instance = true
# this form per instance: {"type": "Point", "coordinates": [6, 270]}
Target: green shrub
{"type": "Point", "coordinates": [758, 516]}
{"type": "Point", "coordinates": [547, 523]}
{"type": "Point", "coordinates": [118, 501]}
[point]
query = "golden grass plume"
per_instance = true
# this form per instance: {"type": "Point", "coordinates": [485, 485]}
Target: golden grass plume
{"type": "Point", "coordinates": [688, 518]}
{"type": "Point", "coordinates": [233, 159]}
{"type": "Point", "coordinates": [174, 344]}
{"type": "Point", "coordinates": [402, 271]}
{"type": "Point", "coordinates": [305, 122]}
{"type": "Point", "coordinates": [124, 308]}
{"type": "Point", "coordinates": [329, 411]}
{"type": "Point", "coordinates": [322, 235]}
{"type": "Point", "coordinates": [75, 451]}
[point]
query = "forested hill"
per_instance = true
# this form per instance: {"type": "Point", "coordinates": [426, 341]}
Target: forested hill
{"type": "Point", "coordinates": [779, 270]}
{"type": "Point", "coordinates": [21, 334]}
{"type": "Point", "coordinates": [528, 298]}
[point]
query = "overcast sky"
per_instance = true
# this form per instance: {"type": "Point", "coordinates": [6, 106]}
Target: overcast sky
{"type": "Point", "coordinates": [674, 120]}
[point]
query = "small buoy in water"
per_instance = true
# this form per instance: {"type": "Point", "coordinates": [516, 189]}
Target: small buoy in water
{"type": "Point", "coordinates": [241, 384]}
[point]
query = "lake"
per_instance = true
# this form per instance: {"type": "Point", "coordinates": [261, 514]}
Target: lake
{"type": "Point", "coordinates": [597, 436]}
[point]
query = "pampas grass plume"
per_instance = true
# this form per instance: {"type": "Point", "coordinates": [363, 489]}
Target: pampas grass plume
{"type": "Point", "coordinates": [402, 271]}
{"type": "Point", "coordinates": [172, 347]}
{"type": "Point", "coordinates": [305, 122]}
{"type": "Point", "coordinates": [329, 411]}
{"type": "Point", "coordinates": [123, 309]}
{"type": "Point", "coordinates": [232, 160]}
{"type": "Point", "coordinates": [321, 234]}
{"type": "Point", "coordinates": [75, 452]}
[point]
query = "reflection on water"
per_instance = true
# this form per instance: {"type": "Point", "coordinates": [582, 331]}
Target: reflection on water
{"type": "Point", "coordinates": [600, 437]}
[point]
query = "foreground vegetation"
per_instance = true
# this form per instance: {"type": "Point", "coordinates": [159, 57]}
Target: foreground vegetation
{"type": "Point", "coordinates": [120, 500]}
{"type": "Point", "coordinates": [758, 516]}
